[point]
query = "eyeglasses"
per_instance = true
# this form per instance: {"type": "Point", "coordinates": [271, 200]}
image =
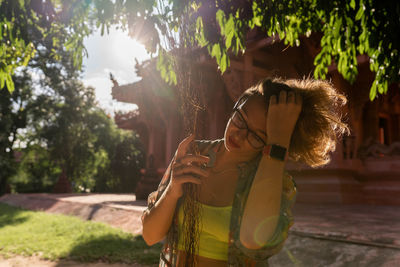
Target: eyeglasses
{"type": "Point", "coordinates": [254, 140]}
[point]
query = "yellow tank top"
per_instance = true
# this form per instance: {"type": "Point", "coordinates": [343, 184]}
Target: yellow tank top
{"type": "Point", "coordinates": [214, 232]}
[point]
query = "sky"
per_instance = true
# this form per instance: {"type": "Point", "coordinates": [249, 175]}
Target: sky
{"type": "Point", "coordinates": [115, 53]}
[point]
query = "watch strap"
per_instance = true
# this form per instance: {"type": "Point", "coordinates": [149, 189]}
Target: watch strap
{"type": "Point", "coordinates": [275, 151]}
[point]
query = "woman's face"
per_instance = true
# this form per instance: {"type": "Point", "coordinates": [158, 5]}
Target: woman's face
{"type": "Point", "coordinates": [236, 139]}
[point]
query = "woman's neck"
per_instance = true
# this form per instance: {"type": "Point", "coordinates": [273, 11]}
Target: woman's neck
{"type": "Point", "coordinates": [228, 158]}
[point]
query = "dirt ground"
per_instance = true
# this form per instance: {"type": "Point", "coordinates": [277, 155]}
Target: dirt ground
{"type": "Point", "coordinates": [35, 261]}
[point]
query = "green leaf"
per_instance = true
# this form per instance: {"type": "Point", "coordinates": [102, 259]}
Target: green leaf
{"type": "Point", "coordinates": [161, 64]}
{"type": "Point", "coordinates": [239, 45]}
{"type": "Point", "coordinates": [199, 24]}
{"type": "Point", "coordinates": [220, 16]}
{"type": "Point", "coordinates": [9, 83]}
{"type": "Point", "coordinates": [338, 45]}
{"type": "Point", "coordinates": [385, 86]}
{"type": "Point", "coordinates": [353, 4]}
{"type": "Point", "coordinates": [224, 62]}
{"type": "Point", "coordinates": [2, 79]}
{"type": "Point", "coordinates": [216, 52]}
{"type": "Point", "coordinates": [228, 40]}
{"type": "Point", "coordinates": [229, 25]}
{"type": "Point", "coordinates": [337, 26]}
{"type": "Point", "coordinates": [360, 12]}
{"type": "Point", "coordinates": [173, 77]}
{"type": "Point", "coordinates": [316, 71]}
{"type": "Point", "coordinates": [257, 21]}
{"type": "Point", "coordinates": [200, 32]}
{"type": "Point", "coordinates": [372, 91]}
{"type": "Point", "coordinates": [380, 88]}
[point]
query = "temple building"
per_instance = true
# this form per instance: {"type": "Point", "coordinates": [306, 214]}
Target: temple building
{"type": "Point", "coordinates": [365, 168]}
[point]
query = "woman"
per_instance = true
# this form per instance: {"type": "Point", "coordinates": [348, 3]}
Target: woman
{"type": "Point", "coordinates": [227, 202]}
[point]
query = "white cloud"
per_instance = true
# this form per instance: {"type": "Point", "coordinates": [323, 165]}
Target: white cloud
{"type": "Point", "coordinates": [103, 85]}
{"type": "Point", "coordinates": [113, 53]}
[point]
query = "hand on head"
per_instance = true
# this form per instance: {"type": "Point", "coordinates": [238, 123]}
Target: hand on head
{"type": "Point", "coordinates": [282, 115]}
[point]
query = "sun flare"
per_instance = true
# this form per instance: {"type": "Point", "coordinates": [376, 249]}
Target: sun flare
{"type": "Point", "coordinates": [117, 53]}
{"type": "Point", "coordinates": [126, 49]}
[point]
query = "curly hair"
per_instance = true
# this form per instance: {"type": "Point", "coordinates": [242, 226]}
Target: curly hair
{"type": "Point", "coordinates": [320, 122]}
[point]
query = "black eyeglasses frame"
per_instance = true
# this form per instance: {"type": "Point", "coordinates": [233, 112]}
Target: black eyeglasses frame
{"type": "Point", "coordinates": [236, 109]}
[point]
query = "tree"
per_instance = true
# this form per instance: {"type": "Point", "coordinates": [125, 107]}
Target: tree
{"type": "Point", "coordinates": [349, 28]}
{"type": "Point", "coordinates": [65, 130]}
{"type": "Point", "coordinates": [125, 159]}
{"type": "Point", "coordinates": [13, 117]}
{"type": "Point", "coordinates": [62, 129]}
{"type": "Point", "coordinates": [35, 171]}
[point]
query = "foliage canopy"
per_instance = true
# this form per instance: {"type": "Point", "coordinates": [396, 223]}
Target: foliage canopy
{"type": "Point", "coordinates": [348, 28]}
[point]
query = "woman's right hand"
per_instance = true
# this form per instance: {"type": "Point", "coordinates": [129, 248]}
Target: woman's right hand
{"type": "Point", "coordinates": [186, 168]}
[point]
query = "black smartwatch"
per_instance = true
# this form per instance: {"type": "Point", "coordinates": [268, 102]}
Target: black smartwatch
{"type": "Point", "coordinates": [275, 151]}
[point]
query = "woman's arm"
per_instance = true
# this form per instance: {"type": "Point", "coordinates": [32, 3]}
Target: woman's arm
{"type": "Point", "coordinates": [158, 219]}
{"type": "Point", "coordinates": [262, 209]}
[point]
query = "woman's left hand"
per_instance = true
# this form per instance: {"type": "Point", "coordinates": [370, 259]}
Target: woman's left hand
{"type": "Point", "coordinates": [282, 116]}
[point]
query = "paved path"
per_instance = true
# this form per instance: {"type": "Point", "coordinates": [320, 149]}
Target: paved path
{"type": "Point", "coordinates": [322, 235]}
{"type": "Point", "coordinates": [342, 235]}
{"type": "Point", "coordinates": [360, 224]}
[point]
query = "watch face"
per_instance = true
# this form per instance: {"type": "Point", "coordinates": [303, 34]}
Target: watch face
{"type": "Point", "coordinates": [278, 152]}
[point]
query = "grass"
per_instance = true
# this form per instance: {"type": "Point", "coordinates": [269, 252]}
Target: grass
{"type": "Point", "coordinates": [55, 237]}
